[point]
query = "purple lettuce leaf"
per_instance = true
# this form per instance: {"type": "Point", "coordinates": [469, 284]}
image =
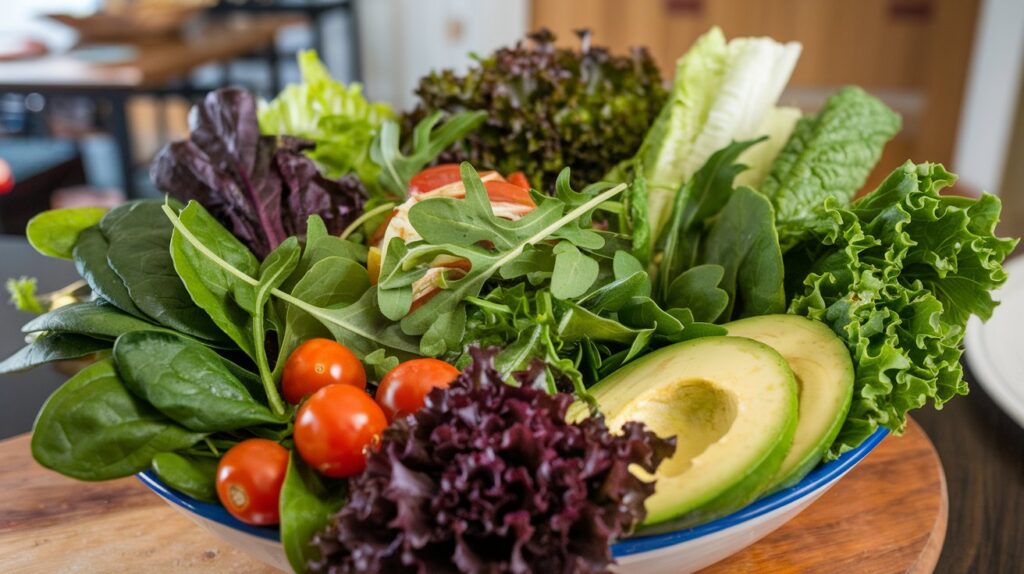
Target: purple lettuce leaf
{"type": "Point", "coordinates": [262, 188]}
{"type": "Point", "coordinates": [489, 477]}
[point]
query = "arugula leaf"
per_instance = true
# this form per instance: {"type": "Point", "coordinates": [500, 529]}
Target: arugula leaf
{"type": "Point", "coordinates": [92, 428]}
{"type": "Point", "coordinates": [55, 232]}
{"type": "Point", "coordinates": [427, 143]}
{"type": "Point", "coordinates": [896, 275]}
{"type": "Point", "coordinates": [467, 222]}
{"type": "Point", "coordinates": [744, 243]}
{"type": "Point", "coordinates": [828, 155]}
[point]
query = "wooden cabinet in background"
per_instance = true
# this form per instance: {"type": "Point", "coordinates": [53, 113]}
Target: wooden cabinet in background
{"type": "Point", "coordinates": [911, 53]}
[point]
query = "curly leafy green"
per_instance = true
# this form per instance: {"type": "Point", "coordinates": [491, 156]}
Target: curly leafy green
{"type": "Point", "coordinates": [896, 275]}
{"type": "Point", "coordinates": [336, 117]}
{"type": "Point", "coordinates": [828, 155]}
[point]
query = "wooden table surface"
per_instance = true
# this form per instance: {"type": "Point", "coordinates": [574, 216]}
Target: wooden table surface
{"type": "Point", "coordinates": [49, 523]}
{"type": "Point", "coordinates": [152, 63]}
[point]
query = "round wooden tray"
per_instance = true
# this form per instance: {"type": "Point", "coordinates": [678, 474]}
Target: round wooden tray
{"type": "Point", "coordinates": [887, 516]}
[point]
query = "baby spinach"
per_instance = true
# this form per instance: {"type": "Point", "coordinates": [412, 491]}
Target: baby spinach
{"type": "Point", "coordinates": [273, 271]}
{"type": "Point", "coordinates": [55, 232]}
{"type": "Point", "coordinates": [743, 241]}
{"type": "Point", "coordinates": [697, 289]}
{"type": "Point", "coordinates": [93, 318]}
{"type": "Point", "coordinates": [212, 288]}
{"type": "Point", "coordinates": [187, 382]}
{"type": "Point", "coordinates": [195, 476]}
{"type": "Point", "coordinates": [52, 347]}
{"type": "Point", "coordinates": [139, 253]}
{"type": "Point", "coordinates": [93, 428]}
{"type": "Point", "coordinates": [90, 256]}
{"type": "Point", "coordinates": [307, 503]}
{"type": "Point", "coordinates": [359, 326]}
{"type": "Point", "coordinates": [573, 272]}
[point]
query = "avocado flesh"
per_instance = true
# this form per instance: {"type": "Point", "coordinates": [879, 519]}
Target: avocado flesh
{"type": "Point", "coordinates": [731, 402]}
{"type": "Point", "coordinates": [824, 373]}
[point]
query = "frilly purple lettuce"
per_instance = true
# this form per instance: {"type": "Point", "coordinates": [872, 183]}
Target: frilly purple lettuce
{"type": "Point", "coordinates": [489, 477]}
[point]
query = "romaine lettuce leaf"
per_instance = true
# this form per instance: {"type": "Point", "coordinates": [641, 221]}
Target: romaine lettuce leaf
{"type": "Point", "coordinates": [828, 155]}
{"type": "Point", "coordinates": [334, 116]}
{"type": "Point", "coordinates": [723, 91]}
{"type": "Point", "coordinates": [896, 275]}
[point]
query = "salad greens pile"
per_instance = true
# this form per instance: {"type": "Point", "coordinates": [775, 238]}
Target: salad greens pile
{"type": "Point", "coordinates": [719, 207]}
{"type": "Point", "coordinates": [548, 108]}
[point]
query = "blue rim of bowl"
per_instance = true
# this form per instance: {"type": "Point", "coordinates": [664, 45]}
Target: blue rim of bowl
{"type": "Point", "coordinates": [822, 475]}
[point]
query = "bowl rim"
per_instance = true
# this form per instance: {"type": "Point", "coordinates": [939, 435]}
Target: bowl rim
{"type": "Point", "coordinates": [821, 476]}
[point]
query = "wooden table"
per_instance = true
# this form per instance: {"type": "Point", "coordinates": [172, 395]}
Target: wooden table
{"type": "Point", "coordinates": [887, 516]}
{"type": "Point", "coordinates": [148, 66]}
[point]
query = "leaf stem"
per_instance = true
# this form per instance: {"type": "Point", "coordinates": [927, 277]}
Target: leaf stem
{"type": "Point", "coordinates": [366, 216]}
{"type": "Point", "coordinates": [176, 222]}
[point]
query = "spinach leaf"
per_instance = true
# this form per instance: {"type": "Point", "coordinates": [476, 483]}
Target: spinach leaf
{"type": "Point", "coordinates": [187, 382]}
{"type": "Point", "coordinates": [90, 255]}
{"type": "Point", "coordinates": [275, 269]}
{"type": "Point", "coordinates": [427, 143]}
{"type": "Point", "coordinates": [307, 503]}
{"type": "Point", "coordinates": [744, 242]}
{"type": "Point", "coordinates": [698, 200]}
{"type": "Point", "coordinates": [697, 290]}
{"type": "Point", "coordinates": [92, 318]}
{"type": "Point", "coordinates": [92, 428]}
{"type": "Point", "coordinates": [360, 326]}
{"type": "Point", "coordinates": [195, 476]}
{"type": "Point", "coordinates": [140, 239]}
{"type": "Point", "coordinates": [52, 347]}
{"type": "Point", "coordinates": [329, 283]}
{"type": "Point", "coordinates": [55, 232]}
{"type": "Point", "coordinates": [212, 288]}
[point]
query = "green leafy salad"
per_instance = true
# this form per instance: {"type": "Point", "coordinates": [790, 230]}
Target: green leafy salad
{"type": "Point", "coordinates": [634, 318]}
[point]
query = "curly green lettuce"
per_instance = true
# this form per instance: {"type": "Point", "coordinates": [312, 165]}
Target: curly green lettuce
{"type": "Point", "coordinates": [897, 275]}
{"type": "Point", "coordinates": [336, 117]}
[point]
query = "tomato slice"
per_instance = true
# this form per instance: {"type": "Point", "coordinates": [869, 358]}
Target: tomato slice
{"type": "Point", "coordinates": [434, 177]}
{"type": "Point", "coordinates": [505, 192]}
{"type": "Point", "coordinates": [519, 178]}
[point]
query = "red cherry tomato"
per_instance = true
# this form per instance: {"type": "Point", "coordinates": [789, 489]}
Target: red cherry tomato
{"type": "Point", "coordinates": [249, 479]}
{"type": "Point", "coordinates": [519, 178]}
{"type": "Point", "coordinates": [403, 390]}
{"type": "Point", "coordinates": [505, 192]}
{"type": "Point", "coordinates": [336, 427]}
{"type": "Point", "coordinates": [6, 177]}
{"type": "Point", "coordinates": [317, 363]}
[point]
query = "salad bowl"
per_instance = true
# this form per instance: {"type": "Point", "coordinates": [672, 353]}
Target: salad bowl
{"type": "Point", "coordinates": [676, 552]}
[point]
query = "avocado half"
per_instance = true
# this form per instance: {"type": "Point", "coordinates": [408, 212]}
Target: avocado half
{"type": "Point", "coordinates": [824, 373]}
{"type": "Point", "coordinates": [732, 403]}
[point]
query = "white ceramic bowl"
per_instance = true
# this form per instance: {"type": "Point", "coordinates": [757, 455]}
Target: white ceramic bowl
{"type": "Point", "coordinates": [678, 552]}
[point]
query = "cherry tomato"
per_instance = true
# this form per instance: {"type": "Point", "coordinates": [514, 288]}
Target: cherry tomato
{"type": "Point", "coordinates": [505, 192]}
{"type": "Point", "coordinates": [317, 363]}
{"type": "Point", "coordinates": [249, 479]}
{"type": "Point", "coordinates": [336, 427]}
{"type": "Point", "coordinates": [519, 178]}
{"type": "Point", "coordinates": [403, 390]}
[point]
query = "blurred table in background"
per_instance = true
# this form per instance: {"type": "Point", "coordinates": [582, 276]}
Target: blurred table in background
{"type": "Point", "coordinates": [112, 73]}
